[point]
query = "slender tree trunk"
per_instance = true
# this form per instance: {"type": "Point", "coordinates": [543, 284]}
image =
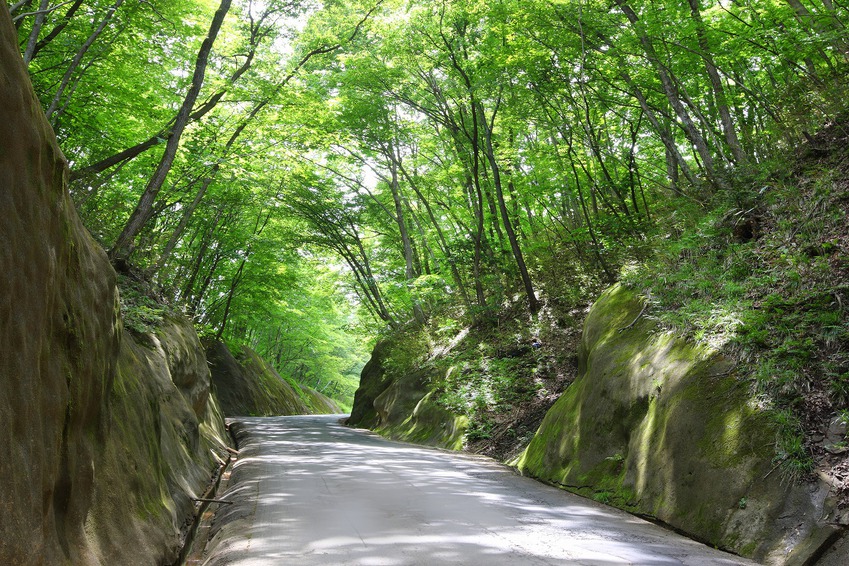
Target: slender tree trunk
{"type": "Point", "coordinates": [54, 33]}
{"type": "Point", "coordinates": [816, 24]}
{"type": "Point", "coordinates": [664, 133]}
{"type": "Point", "coordinates": [141, 214]}
{"type": "Point", "coordinates": [596, 245]}
{"type": "Point", "coordinates": [37, 24]}
{"type": "Point", "coordinates": [716, 83]}
{"type": "Point", "coordinates": [489, 150]}
{"type": "Point", "coordinates": [409, 272]}
{"type": "Point", "coordinates": [671, 93]}
{"type": "Point", "coordinates": [230, 294]}
{"type": "Point", "coordinates": [446, 249]}
{"type": "Point", "coordinates": [75, 63]}
{"type": "Point", "coordinates": [187, 293]}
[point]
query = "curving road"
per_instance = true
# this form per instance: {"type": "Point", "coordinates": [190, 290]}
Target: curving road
{"type": "Point", "coordinates": [309, 491]}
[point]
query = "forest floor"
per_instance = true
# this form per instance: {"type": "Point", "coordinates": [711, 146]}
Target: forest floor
{"type": "Point", "coordinates": [824, 408]}
{"type": "Point", "coordinates": [542, 375]}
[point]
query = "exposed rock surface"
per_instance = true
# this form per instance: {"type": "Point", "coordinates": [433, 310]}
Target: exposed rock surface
{"type": "Point", "coordinates": [247, 385]}
{"type": "Point", "coordinates": [401, 407]}
{"type": "Point", "coordinates": [106, 437]}
{"type": "Point", "coordinates": [664, 429]}
{"type": "Point", "coordinates": [165, 443]}
{"type": "Point", "coordinates": [407, 411]}
{"type": "Point", "coordinates": [374, 380]}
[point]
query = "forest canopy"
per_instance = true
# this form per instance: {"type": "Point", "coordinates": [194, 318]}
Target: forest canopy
{"type": "Point", "coordinates": [300, 175]}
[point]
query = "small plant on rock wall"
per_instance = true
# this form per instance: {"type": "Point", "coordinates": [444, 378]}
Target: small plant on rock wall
{"type": "Point", "coordinates": [140, 313]}
{"type": "Point", "coordinates": [792, 456]}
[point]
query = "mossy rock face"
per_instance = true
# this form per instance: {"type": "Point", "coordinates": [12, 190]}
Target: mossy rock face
{"type": "Point", "coordinates": [374, 380]}
{"type": "Point", "coordinates": [398, 401]}
{"type": "Point", "coordinates": [660, 427]}
{"type": "Point", "coordinates": [106, 439]}
{"type": "Point", "coordinates": [432, 425]}
{"type": "Point", "coordinates": [247, 385]}
{"type": "Point", "coordinates": [319, 403]}
{"type": "Point", "coordinates": [401, 406]}
{"type": "Point", "coordinates": [160, 452]}
{"type": "Point", "coordinates": [60, 335]}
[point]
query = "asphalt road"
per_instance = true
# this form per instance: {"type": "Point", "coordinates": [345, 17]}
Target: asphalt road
{"type": "Point", "coordinates": [309, 491]}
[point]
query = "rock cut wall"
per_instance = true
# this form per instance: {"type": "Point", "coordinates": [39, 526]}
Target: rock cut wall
{"type": "Point", "coordinates": [664, 429]}
{"type": "Point", "coordinates": [106, 436]}
{"type": "Point", "coordinates": [248, 385]}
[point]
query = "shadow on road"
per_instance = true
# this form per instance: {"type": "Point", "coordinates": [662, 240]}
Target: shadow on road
{"type": "Point", "coordinates": [310, 491]}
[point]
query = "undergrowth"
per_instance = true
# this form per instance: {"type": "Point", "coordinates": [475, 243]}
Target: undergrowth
{"type": "Point", "coordinates": [490, 371]}
{"type": "Point", "coordinates": [141, 311]}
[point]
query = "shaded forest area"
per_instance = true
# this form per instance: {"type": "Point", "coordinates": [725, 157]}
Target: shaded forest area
{"type": "Point", "coordinates": [304, 177]}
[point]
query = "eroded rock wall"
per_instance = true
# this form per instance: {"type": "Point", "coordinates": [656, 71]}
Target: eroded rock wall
{"type": "Point", "coordinates": [248, 385]}
{"type": "Point", "coordinates": [59, 335]}
{"type": "Point", "coordinates": [166, 441]}
{"type": "Point", "coordinates": [106, 437]}
{"type": "Point", "coordinates": [664, 429]}
{"type": "Point", "coordinates": [401, 407]}
{"type": "Point", "coordinates": [374, 380]}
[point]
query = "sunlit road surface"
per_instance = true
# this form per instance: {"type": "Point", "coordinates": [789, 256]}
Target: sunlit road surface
{"type": "Point", "coordinates": [310, 491]}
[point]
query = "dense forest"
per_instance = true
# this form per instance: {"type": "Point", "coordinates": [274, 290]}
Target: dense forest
{"type": "Point", "coordinates": [306, 177]}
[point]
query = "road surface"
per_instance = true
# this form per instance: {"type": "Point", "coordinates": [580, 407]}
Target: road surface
{"type": "Point", "coordinates": [309, 491]}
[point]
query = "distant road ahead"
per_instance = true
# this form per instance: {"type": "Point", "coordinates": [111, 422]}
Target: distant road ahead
{"type": "Point", "coordinates": [309, 491]}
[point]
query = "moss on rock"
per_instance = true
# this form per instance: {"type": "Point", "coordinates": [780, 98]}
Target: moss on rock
{"type": "Point", "coordinates": [247, 385]}
{"type": "Point", "coordinates": [661, 427]}
{"type": "Point", "coordinates": [374, 380]}
{"type": "Point", "coordinates": [401, 406]}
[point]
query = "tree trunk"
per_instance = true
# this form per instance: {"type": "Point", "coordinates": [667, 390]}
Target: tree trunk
{"type": "Point", "coordinates": [718, 90]}
{"type": "Point", "coordinates": [141, 214]}
{"type": "Point", "coordinates": [449, 256]}
{"type": "Point", "coordinates": [489, 150]}
{"type": "Point", "coordinates": [58, 28]}
{"type": "Point", "coordinates": [75, 63]}
{"type": "Point", "coordinates": [409, 271]}
{"type": "Point", "coordinates": [664, 133]}
{"type": "Point", "coordinates": [671, 93]}
{"type": "Point", "coordinates": [32, 40]}
{"type": "Point", "coordinates": [230, 294]}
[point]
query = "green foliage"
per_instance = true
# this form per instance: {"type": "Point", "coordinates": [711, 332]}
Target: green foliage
{"type": "Point", "coordinates": [141, 312]}
{"type": "Point", "coordinates": [362, 168]}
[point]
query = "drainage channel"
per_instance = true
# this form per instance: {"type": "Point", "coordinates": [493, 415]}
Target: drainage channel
{"type": "Point", "coordinates": [196, 539]}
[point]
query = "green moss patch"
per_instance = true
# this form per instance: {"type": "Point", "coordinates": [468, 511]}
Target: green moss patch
{"type": "Point", "coordinates": [664, 428]}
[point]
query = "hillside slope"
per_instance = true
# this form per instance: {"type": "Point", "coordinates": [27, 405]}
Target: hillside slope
{"type": "Point", "coordinates": [711, 387]}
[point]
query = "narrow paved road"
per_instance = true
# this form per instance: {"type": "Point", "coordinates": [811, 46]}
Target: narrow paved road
{"type": "Point", "coordinates": [310, 491]}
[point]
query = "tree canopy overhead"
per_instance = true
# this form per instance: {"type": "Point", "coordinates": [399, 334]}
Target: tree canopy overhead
{"type": "Point", "coordinates": [281, 166]}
